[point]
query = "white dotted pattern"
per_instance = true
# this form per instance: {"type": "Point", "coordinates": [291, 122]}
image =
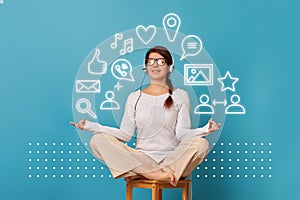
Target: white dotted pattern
{"type": "Point", "coordinates": [226, 160]}
{"type": "Point", "coordinates": [63, 160]}
{"type": "Point", "coordinates": [237, 160]}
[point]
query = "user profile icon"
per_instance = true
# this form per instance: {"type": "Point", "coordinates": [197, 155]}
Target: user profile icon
{"type": "Point", "coordinates": [204, 107]}
{"type": "Point", "coordinates": [235, 107]}
{"type": "Point", "coordinates": [109, 103]}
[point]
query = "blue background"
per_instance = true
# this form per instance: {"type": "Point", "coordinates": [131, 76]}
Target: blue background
{"type": "Point", "coordinates": [42, 44]}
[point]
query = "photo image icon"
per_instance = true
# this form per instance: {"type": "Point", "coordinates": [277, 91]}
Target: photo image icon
{"type": "Point", "coordinates": [198, 74]}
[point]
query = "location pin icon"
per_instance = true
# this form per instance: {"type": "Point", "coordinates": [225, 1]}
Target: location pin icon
{"type": "Point", "coordinates": [171, 23]}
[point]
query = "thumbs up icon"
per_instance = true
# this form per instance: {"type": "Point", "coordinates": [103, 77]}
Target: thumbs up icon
{"type": "Point", "coordinates": [97, 66]}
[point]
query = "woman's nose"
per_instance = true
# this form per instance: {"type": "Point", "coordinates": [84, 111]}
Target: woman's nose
{"type": "Point", "coordinates": [155, 64]}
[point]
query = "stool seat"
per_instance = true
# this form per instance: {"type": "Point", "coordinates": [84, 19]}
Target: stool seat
{"type": "Point", "coordinates": [157, 187]}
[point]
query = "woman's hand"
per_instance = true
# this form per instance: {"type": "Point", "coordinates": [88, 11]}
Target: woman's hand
{"type": "Point", "coordinates": [213, 126]}
{"type": "Point", "coordinates": [80, 124]}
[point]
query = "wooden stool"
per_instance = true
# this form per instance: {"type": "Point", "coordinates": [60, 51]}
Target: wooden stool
{"type": "Point", "coordinates": [157, 187]}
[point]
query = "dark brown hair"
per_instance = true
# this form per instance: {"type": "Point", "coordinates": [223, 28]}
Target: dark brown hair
{"type": "Point", "coordinates": [164, 52]}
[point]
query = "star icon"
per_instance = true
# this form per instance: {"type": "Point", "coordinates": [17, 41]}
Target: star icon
{"type": "Point", "coordinates": [228, 78]}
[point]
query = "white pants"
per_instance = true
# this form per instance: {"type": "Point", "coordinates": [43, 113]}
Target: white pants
{"type": "Point", "coordinates": [123, 160]}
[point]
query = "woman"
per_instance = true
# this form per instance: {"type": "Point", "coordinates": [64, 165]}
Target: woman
{"type": "Point", "coordinates": [167, 149]}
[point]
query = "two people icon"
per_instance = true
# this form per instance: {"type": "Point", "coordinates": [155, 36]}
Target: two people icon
{"type": "Point", "coordinates": [233, 108]}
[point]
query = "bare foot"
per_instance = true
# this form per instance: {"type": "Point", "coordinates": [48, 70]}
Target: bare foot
{"type": "Point", "coordinates": [170, 178]}
{"type": "Point", "coordinates": [164, 176]}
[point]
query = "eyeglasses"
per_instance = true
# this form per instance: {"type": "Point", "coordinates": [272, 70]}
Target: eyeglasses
{"type": "Point", "coordinates": [151, 61]}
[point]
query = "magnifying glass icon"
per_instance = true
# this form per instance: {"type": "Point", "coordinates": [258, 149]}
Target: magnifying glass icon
{"type": "Point", "coordinates": [83, 105]}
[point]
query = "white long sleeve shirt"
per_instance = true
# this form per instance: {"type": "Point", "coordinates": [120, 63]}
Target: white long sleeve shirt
{"type": "Point", "coordinates": [158, 130]}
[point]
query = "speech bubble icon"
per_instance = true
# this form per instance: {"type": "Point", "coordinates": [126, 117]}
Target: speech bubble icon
{"type": "Point", "coordinates": [121, 69]}
{"type": "Point", "coordinates": [191, 45]}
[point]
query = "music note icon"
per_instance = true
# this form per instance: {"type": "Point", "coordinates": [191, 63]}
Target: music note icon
{"type": "Point", "coordinates": [118, 36]}
{"type": "Point", "coordinates": [128, 46]}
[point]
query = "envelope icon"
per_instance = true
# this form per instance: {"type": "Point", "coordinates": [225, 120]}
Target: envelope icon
{"type": "Point", "coordinates": [87, 86]}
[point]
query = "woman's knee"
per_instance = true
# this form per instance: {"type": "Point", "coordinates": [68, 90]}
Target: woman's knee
{"type": "Point", "coordinates": [95, 144]}
{"type": "Point", "coordinates": [202, 144]}
{"type": "Point", "coordinates": [104, 140]}
{"type": "Point", "coordinates": [96, 139]}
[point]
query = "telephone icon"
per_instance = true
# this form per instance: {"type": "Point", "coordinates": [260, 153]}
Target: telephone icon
{"type": "Point", "coordinates": [122, 69]}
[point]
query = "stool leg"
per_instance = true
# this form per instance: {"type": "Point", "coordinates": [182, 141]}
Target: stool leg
{"type": "Point", "coordinates": [155, 192]}
{"type": "Point", "coordinates": [160, 194]}
{"type": "Point", "coordinates": [128, 192]}
{"type": "Point", "coordinates": [185, 192]}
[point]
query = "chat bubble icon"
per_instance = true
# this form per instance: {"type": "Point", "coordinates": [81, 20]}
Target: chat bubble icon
{"type": "Point", "coordinates": [191, 45]}
{"type": "Point", "coordinates": [121, 69]}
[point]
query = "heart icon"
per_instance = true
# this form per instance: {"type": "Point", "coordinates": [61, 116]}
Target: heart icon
{"type": "Point", "coordinates": [145, 34]}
